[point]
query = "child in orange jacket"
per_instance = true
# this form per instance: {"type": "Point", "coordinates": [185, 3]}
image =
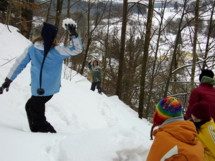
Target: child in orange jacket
{"type": "Point", "coordinates": [175, 139]}
{"type": "Point", "coordinates": [206, 128]}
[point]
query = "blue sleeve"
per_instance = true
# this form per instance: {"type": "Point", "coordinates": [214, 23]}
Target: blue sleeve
{"type": "Point", "coordinates": [19, 65]}
{"type": "Point", "coordinates": [75, 48]}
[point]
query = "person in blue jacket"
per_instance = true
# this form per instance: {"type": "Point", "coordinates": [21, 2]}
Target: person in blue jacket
{"type": "Point", "coordinates": [46, 59]}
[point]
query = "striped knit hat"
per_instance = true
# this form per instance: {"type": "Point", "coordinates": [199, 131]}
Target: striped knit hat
{"type": "Point", "coordinates": [165, 109]}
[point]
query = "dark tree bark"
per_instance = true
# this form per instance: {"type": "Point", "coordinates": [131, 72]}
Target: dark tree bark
{"type": "Point", "coordinates": [145, 57]}
{"type": "Point", "coordinates": [208, 36]}
{"type": "Point", "coordinates": [58, 12]}
{"type": "Point", "coordinates": [48, 12]}
{"type": "Point", "coordinates": [177, 41]}
{"type": "Point", "coordinates": [26, 17]}
{"type": "Point", "coordinates": [155, 61]}
{"type": "Point", "coordinates": [195, 43]}
{"type": "Point", "coordinates": [104, 58]}
{"type": "Point", "coordinates": [90, 31]}
{"type": "Point", "coordinates": [122, 50]}
{"type": "Point", "coordinates": [89, 38]}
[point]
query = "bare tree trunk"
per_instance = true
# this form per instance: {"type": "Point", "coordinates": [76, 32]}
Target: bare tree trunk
{"type": "Point", "coordinates": [8, 18]}
{"type": "Point", "coordinates": [104, 59]}
{"type": "Point", "coordinates": [145, 57]}
{"type": "Point", "coordinates": [68, 15]}
{"type": "Point", "coordinates": [67, 60]}
{"type": "Point", "coordinates": [89, 39]}
{"type": "Point", "coordinates": [175, 50]}
{"type": "Point", "coordinates": [27, 17]}
{"type": "Point", "coordinates": [97, 19]}
{"type": "Point", "coordinates": [175, 66]}
{"type": "Point", "coordinates": [122, 50]}
{"type": "Point", "coordinates": [195, 43]}
{"type": "Point", "coordinates": [58, 12]}
{"type": "Point", "coordinates": [48, 12]}
{"type": "Point", "coordinates": [208, 36]}
{"type": "Point", "coordinates": [155, 61]}
{"type": "Point", "coordinates": [3, 10]}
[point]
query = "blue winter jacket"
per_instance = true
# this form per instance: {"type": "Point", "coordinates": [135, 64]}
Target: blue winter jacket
{"type": "Point", "coordinates": [52, 67]}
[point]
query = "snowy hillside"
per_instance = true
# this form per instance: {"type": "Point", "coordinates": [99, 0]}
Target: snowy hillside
{"type": "Point", "coordinates": [91, 127]}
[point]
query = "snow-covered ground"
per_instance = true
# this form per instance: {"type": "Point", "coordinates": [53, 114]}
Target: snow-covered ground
{"type": "Point", "coordinates": [91, 127]}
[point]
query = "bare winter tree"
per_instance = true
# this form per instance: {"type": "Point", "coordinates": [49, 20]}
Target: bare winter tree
{"type": "Point", "coordinates": [89, 37]}
{"type": "Point", "coordinates": [27, 17]}
{"type": "Point", "coordinates": [106, 44]}
{"type": "Point", "coordinates": [209, 35]}
{"type": "Point", "coordinates": [48, 11]}
{"type": "Point", "coordinates": [122, 50]}
{"type": "Point", "coordinates": [175, 49]}
{"type": "Point", "coordinates": [93, 21]}
{"type": "Point", "coordinates": [153, 74]}
{"type": "Point", "coordinates": [58, 12]}
{"type": "Point", "coordinates": [20, 14]}
{"type": "Point", "coordinates": [3, 9]}
{"type": "Point", "coordinates": [195, 37]}
{"type": "Point", "coordinates": [145, 57]}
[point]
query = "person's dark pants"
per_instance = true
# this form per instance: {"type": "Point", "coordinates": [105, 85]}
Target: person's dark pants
{"type": "Point", "coordinates": [98, 85]}
{"type": "Point", "coordinates": [35, 109]}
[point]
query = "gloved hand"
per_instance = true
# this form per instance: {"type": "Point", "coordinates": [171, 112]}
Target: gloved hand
{"type": "Point", "coordinates": [5, 85]}
{"type": "Point", "coordinates": [72, 30]}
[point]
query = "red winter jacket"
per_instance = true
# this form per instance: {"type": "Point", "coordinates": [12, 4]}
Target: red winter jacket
{"type": "Point", "coordinates": [205, 92]}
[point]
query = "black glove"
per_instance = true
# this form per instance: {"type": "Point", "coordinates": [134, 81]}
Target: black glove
{"type": "Point", "coordinates": [5, 85]}
{"type": "Point", "coordinates": [72, 30]}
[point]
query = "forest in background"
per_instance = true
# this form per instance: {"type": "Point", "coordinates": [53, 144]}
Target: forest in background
{"type": "Point", "coordinates": [147, 49]}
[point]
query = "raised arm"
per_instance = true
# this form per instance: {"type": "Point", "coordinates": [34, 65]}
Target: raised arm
{"type": "Point", "coordinates": [75, 47]}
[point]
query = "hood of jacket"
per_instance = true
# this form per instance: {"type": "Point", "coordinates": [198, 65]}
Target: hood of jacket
{"type": "Point", "coordinates": [183, 131]}
{"type": "Point", "coordinates": [208, 80]}
{"type": "Point", "coordinates": [48, 34]}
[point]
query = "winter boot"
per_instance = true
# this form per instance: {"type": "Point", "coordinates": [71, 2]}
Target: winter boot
{"type": "Point", "coordinates": [44, 127]}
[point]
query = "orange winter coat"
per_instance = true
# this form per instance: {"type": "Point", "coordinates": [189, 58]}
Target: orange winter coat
{"type": "Point", "coordinates": [176, 141]}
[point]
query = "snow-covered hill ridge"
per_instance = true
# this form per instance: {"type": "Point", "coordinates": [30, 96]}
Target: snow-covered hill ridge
{"type": "Point", "coordinates": [91, 127]}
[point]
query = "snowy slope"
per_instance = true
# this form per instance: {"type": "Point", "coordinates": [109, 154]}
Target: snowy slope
{"type": "Point", "coordinates": [91, 127]}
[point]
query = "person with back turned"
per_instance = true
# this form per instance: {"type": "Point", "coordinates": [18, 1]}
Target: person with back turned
{"type": "Point", "coordinates": [175, 138]}
{"type": "Point", "coordinates": [46, 59]}
{"type": "Point", "coordinates": [204, 92]}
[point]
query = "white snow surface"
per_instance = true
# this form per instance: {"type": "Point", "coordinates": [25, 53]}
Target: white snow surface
{"type": "Point", "coordinates": [90, 126]}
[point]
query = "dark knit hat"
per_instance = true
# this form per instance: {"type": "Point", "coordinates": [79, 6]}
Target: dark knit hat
{"type": "Point", "coordinates": [201, 110]}
{"type": "Point", "coordinates": [48, 34]}
{"type": "Point", "coordinates": [167, 108]}
{"type": "Point", "coordinates": [206, 72]}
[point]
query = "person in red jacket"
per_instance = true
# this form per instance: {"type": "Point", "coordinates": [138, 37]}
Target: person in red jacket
{"type": "Point", "coordinates": [175, 138]}
{"type": "Point", "coordinates": [205, 92]}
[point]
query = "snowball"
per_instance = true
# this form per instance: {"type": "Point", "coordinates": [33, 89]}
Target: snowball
{"type": "Point", "coordinates": [68, 21]}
